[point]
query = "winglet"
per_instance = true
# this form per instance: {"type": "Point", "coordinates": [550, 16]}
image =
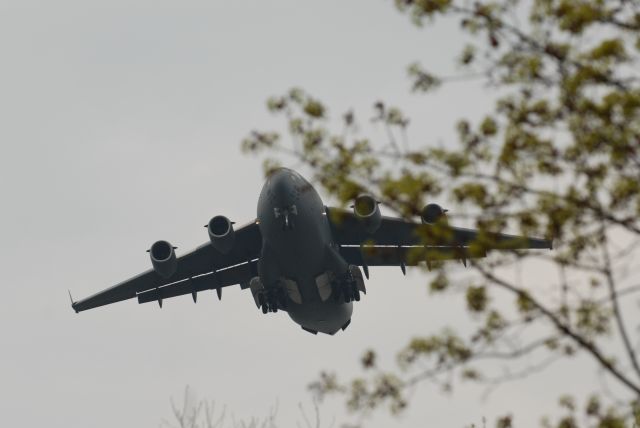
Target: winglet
{"type": "Point", "coordinates": [73, 304]}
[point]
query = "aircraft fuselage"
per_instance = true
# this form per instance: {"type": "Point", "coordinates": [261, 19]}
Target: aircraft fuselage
{"type": "Point", "coordinates": [298, 250]}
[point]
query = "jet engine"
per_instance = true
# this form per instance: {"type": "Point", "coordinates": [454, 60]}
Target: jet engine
{"type": "Point", "coordinates": [367, 211]}
{"type": "Point", "coordinates": [221, 233]}
{"type": "Point", "coordinates": [432, 213]}
{"type": "Point", "coordinates": [163, 258]}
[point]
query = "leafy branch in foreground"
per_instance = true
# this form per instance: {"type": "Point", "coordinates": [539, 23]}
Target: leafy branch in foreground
{"type": "Point", "coordinates": [557, 156]}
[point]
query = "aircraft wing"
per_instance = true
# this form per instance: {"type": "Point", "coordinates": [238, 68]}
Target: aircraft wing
{"type": "Point", "coordinates": [201, 269]}
{"type": "Point", "coordinates": [398, 241]}
{"type": "Point", "coordinates": [371, 255]}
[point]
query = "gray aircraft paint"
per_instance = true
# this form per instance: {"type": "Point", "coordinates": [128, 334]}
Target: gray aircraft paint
{"type": "Point", "coordinates": [300, 252]}
{"type": "Point", "coordinates": [308, 255]}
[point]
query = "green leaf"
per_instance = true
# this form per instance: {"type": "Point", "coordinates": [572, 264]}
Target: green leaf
{"type": "Point", "coordinates": [489, 127]}
{"type": "Point", "coordinates": [477, 299]}
{"type": "Point", "coordinates": [314, 109]}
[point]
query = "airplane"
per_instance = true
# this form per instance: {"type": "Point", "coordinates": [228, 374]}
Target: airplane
{"type": "Point", "coordinates": [302, 257]}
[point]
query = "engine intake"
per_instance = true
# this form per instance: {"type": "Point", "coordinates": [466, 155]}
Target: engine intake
{"type": "Point", "coordinates": [221, 233]}
{"type": "Point", "coordinates": [432, 213]}
{"type": "Point", "coordinates": [163, 258]}
{"type": "Point", "coordinates": [367, 211]}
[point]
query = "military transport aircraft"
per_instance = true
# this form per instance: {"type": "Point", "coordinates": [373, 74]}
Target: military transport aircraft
{"type": "Point", "coordinates": [302, 257]}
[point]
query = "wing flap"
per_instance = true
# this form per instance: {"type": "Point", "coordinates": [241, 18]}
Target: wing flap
{"type": "Point", "coordinates": [235, 275]}
{"type": "Point", "coordinates": [409, 256]}
{"type": "Point", "coordinates": [393, 231]}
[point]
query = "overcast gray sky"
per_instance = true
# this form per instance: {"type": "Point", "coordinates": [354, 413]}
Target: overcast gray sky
{"type": "Point", "coordinates": [120, 124]}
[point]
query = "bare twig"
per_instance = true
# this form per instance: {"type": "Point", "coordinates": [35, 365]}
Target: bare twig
{"type": "Point", "coordinates": [585, 344]}
{"type": "Point", "coordinates": [614, 301]}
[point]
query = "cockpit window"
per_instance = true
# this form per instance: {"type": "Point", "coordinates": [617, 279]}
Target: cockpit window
{"type": "Point", "coordinates": [295, 177]}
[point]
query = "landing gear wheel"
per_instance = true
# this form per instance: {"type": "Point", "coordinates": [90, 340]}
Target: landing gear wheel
{"type": "Point", "coordinates": [262, 302]}
{"type": "Point", "coordinates": [272, 299]}
{"type": "Point", "coordinates": [356, 293]}
{"type": "Point", "coordinates": [345, 289]}
{"type": "Point", "coordinates": [347, 297]}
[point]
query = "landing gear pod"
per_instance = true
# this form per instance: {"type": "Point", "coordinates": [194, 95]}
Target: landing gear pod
{"type": "Point", "coordinates": [221, 233]}
{"type": "Point", "coordinates": [163, 258]}
{"type": "Point", "coordinates": [367, 211]}
{"type": "Point", "coordinates": [432, 213]}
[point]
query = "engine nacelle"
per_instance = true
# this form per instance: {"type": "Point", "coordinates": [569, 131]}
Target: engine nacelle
{"type": "Point", "coordinates": [221, 233]}
{"type": "Point", "coordinates": [163, 258]}
{"type": "Point", "coordinates": [367, 211]}
{"type": "Point", "coordinates": [432, 213]}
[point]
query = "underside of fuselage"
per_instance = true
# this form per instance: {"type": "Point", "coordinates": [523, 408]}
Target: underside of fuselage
{"type": "Point", "coordinates": [323, 317]}
{"type": "Point", "coordinates": [298, 262]}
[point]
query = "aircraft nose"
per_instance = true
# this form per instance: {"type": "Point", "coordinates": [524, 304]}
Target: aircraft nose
{"type": "Point", "coordinates": [283, 190]}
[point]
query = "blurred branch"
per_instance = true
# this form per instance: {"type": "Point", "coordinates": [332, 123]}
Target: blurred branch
{"type": "Point", "coordinates": [614, 301]}
{"type": "Point", "coordinates": [588, 346]}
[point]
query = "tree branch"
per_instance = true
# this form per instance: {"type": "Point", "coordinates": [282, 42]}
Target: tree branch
{"type": "Point", "coordinates": [614, 301]}
{"type": "Point", "coordinates": [585, 344]}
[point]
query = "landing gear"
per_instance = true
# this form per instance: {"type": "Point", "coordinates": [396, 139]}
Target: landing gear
{"type": "Point", "coordinates": [348, 286]}
{"type": "Point", "coordinates": [269, 299]}
{"type": "Point", "coordinates": [346, 289]}
{"type": "Point", "coordinates": [272, 299]}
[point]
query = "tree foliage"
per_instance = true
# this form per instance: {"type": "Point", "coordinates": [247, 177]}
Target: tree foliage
{"type": "Point", "coordinates": [558, 156]}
